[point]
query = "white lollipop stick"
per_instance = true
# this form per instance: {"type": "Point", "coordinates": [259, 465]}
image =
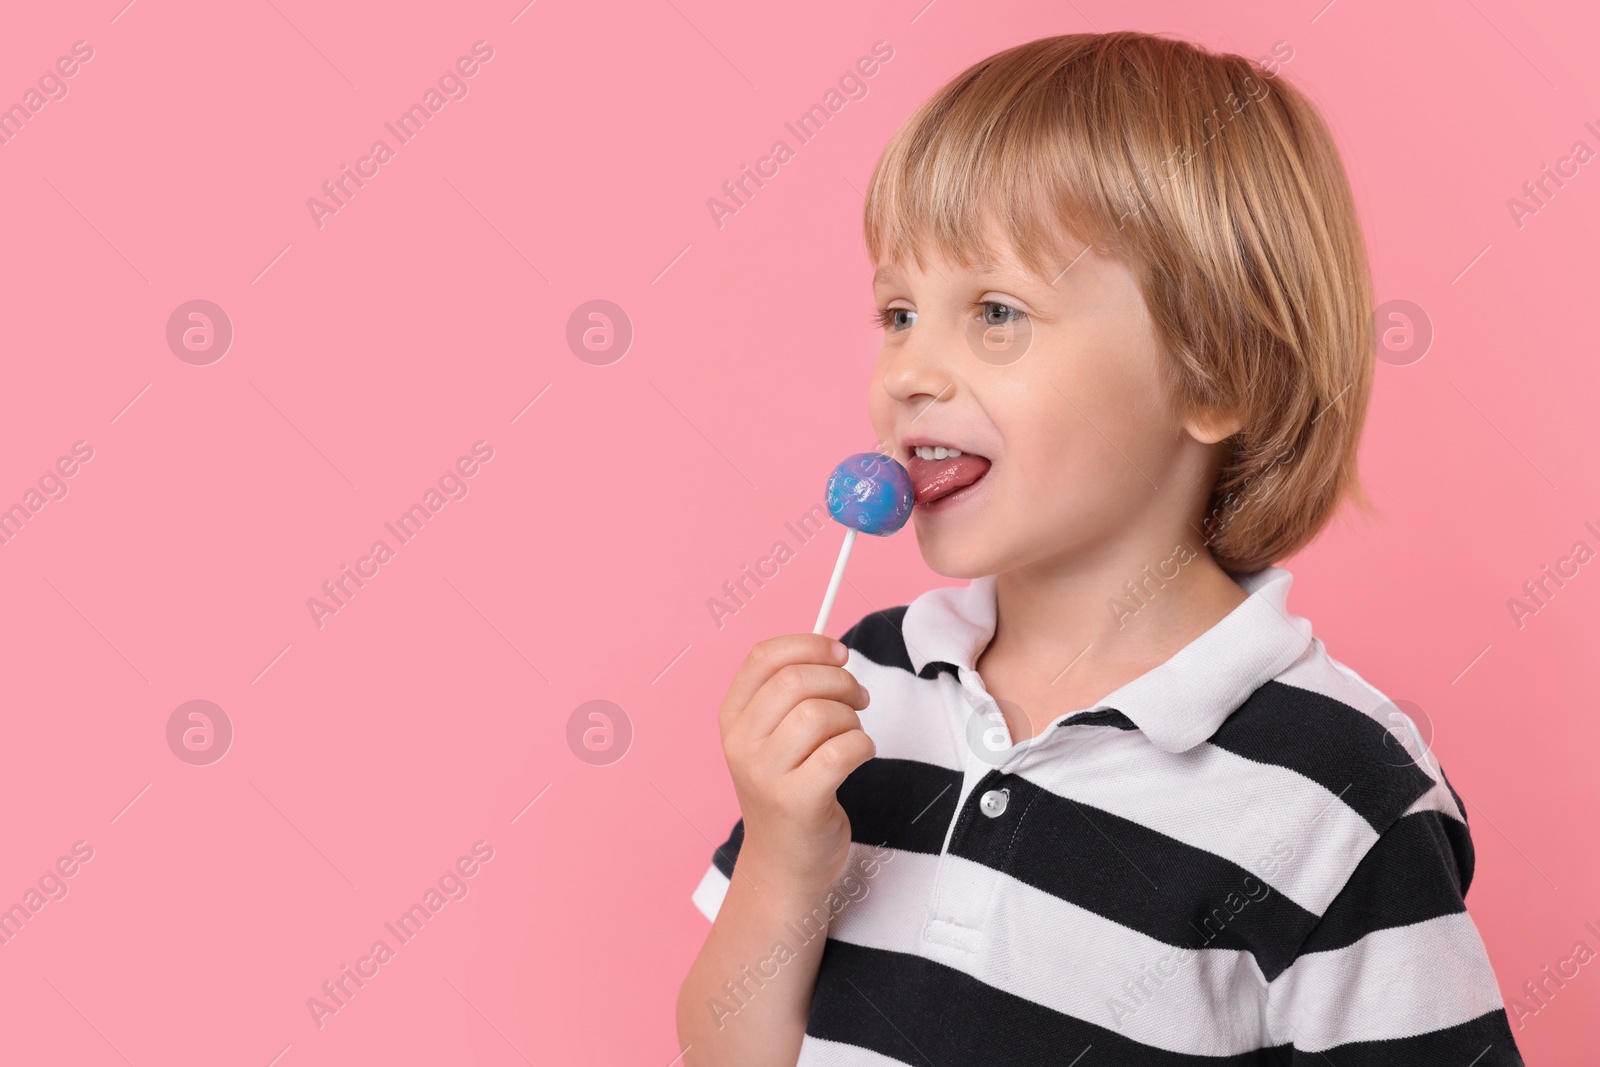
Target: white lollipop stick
{"type": "Point", "coordinates": [838, 577]}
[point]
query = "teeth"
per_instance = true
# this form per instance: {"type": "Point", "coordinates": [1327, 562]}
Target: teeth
{"type": "Point", "coordinates": [935, 452]}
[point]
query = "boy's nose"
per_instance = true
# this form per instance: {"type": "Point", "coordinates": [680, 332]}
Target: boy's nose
{"type": "Point", "coordinates": [922, 371]}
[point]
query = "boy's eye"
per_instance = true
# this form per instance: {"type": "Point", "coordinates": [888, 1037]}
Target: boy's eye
{"type": "Point", "coordinates": [996, 314]}
{"type": "Point", "coordinates": [896, 319]}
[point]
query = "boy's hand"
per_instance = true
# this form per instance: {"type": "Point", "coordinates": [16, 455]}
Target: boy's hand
{"type": "Point", "coordinates": [791, 736]}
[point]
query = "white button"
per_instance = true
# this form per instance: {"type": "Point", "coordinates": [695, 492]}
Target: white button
{"type": "Point", "coordinates": [993, 802]}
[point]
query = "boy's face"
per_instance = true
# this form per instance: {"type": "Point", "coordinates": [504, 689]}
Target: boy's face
{"type": "Point", "coordinates": [1056, 388]}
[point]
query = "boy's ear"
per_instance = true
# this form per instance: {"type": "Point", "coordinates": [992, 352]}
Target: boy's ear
{"type": "Point", "coordinates": [1210, 427]}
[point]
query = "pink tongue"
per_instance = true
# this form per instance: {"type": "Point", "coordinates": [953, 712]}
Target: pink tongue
{"type": "Point", "coordinates": [933, 478]}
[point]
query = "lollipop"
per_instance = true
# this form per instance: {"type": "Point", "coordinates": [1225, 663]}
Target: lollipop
{"type": "Point", "coordinates": [869, 492]}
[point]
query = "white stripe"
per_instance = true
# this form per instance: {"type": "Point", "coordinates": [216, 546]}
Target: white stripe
{"type": "Point", "coordinates": [820, 1052]}
{"type": "Point", "coordinates": [709, 893]}
{"type": "Point", "coordinates": [1054, 953]}
{"type": "Point", "coordinates": [1215, 800]}
{"type": "Point", "coordinates": [1319, 672]}
{"type": "Point", "coordinates": [908, 717]}
{"type": "Point", "coordinates": [1398, 982]}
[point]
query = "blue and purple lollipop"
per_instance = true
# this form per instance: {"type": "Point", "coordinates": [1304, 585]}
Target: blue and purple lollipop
{"type": "Point", "coordinates": [871, 493]}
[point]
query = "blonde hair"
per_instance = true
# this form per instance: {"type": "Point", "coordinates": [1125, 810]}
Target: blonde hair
{"type": "Point", "coordinates": [1222, 189]}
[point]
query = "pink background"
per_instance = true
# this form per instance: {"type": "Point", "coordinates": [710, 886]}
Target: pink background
{"type": "Point", "coordinates": [368, 354]}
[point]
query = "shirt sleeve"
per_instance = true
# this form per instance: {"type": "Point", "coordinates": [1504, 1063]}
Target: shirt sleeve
{"type": "Point", "coordinates": [1395, 972]}
{"type": "Point", "coordinates": [714, 883]}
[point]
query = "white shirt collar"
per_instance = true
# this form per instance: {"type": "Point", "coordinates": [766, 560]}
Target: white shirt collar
{"type": "Point", "coordinates": [1177, 704]}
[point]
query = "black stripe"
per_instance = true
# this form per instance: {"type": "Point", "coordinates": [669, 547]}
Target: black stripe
{"type": "Point", "coordinates": [1126, 872]}
{"type": "Point", "coordinates": [921, 1012]}
{"type": "Point", "coordinates": [1410, 875]}
{"type": "Point", "coordinates": [1483, 1042]}
{"type": "Point", "coordinates": [1349, 754]}
{"type": "Point", "coordinates": [877, 636]}
{"type": "Point", "coordinates": [900, 803]}
{"type": "Point", "coordinates": [728, 851]}
{"type": "Point", "coordinates": [880, 638]}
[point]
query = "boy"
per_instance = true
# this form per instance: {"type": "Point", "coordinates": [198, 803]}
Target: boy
{"type": "Point", "coordinates": [1110, 800]}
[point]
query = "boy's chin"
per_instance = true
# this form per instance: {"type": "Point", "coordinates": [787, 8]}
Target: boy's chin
{"type": "Point", "coordinates": [956, 561]}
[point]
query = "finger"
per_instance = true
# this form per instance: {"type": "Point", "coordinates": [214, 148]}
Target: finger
{"type": "Point", "coordinates": [808, 724]}
{"type": "Point", "coordinates": [825, 770]}
{"type": "Point", "coordinates": [793, 684]}
{"type": "Point", "coordinates": [768, 657]}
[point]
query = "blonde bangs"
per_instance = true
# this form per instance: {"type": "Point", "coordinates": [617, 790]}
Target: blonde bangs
{"type": "Point", "coordinates": [971, 153]}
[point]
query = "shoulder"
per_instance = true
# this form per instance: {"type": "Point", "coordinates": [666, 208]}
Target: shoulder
{"type": "Point", "coordinates": [1321, 720]}
{"type": "Point", "coordinates": [1394, 959]}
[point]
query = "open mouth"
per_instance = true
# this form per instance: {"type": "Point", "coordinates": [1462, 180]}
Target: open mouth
{"type": "Point", "coordinates": [938, 472]}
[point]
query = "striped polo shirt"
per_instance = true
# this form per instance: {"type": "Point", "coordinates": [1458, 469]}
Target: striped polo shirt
{"type": "Point", "coordinates": [1230, 859]}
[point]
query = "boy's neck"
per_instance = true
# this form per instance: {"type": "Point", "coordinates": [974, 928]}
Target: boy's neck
{"type": "Point", "coordinates": [1069, 632]}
